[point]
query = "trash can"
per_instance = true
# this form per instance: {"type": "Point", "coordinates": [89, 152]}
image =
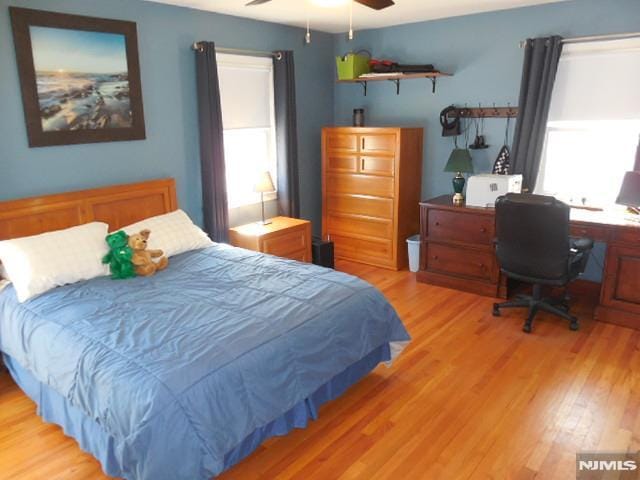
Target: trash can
{"type": "Point", "coordinates": [413, 243]}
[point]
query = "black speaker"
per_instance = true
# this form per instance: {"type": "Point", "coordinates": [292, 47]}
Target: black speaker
{"type": "Point", "coordinates": [322, 252]}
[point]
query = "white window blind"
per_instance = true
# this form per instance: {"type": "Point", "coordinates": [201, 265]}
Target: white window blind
{"type": "Point", "coordinates": [594, 122]}
{"type": "Point", "coordinates": [246, 97]}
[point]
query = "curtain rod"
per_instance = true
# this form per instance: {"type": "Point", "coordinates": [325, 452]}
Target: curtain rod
{"type": "Point", "coordinates": [594, 38]}
{"type": "Point", "coordinates": [238, 51]}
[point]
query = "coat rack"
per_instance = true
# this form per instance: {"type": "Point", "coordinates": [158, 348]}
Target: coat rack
{"type": "Point", "coordinates": [485, 112]}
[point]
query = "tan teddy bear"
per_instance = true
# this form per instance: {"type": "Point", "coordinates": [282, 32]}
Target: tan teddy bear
{"type": "Point", "coordinates": [142, 258]}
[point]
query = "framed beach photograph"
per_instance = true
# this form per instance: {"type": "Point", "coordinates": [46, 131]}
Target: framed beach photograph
{"type": "Point", "coordinates": [80, 78]}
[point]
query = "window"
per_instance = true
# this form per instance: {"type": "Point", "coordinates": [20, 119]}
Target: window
{"type": "Point", "coordinates": [594, 122]}
{"type": "Point", "coordinates": [246, 95]}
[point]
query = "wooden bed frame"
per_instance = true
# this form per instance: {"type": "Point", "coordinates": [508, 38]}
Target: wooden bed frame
{"type": "Point", "coordinates": [117, 205]}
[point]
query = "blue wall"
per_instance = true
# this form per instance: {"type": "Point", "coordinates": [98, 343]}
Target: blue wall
{"type": "Point", "coordinates": [165, 34]}
{"type": "Point", "coordinates": [481, 50]}
{"type": "Point", "coordinates": [483, 53]}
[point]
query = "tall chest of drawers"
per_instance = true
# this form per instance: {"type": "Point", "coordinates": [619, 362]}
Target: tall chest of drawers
{"type": "Point", "coordinates": [371, 181]}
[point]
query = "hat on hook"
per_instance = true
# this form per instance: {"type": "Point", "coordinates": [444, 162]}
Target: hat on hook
{"type": "Point", "coordinates": [450, 121]}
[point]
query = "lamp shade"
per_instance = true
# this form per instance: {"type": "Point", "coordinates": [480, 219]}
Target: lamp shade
{"type": "Point", "coordinates": [264, 183]}
{"type": "Point", "coordinates": [459, 161]}
{"type": "Point", "coordinates": [630, 191]}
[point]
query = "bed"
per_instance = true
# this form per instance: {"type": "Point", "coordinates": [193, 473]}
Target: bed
{"type": "Point", "coordinates": [181, 375]}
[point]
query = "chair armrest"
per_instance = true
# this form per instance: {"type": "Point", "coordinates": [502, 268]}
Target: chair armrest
{"type": "Point", "coordinates": [581, 244]}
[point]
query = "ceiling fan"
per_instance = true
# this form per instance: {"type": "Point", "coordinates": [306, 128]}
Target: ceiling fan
{"type": "Point", "coordinates": [375, 4]}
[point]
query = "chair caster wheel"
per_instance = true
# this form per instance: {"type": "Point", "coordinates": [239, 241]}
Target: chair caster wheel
{"type": "Point", "coordinates": [496, 310]}
{"type": "Point", "coordinates": [526, 328]}
{"type": "Point", "coordinates": [574, 326]}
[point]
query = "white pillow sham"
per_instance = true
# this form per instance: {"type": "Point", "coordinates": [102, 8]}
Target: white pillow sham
{"type": "Point", "coordinates": [173, 233]}
{"type": "Point", "coordinates": [39, 263]}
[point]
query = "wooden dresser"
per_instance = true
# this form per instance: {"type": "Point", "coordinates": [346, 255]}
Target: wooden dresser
{"type": "Point", "coordinates": [457, 247]}
{"type": "Point", "coordinates": [371, 181]}
{"type": "Point", "coordinates": [458, 252]}
{"type": "Point", "coordinates": [284, 237]}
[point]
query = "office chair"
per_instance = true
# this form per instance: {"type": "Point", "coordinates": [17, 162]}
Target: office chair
{"type": "Point", "coordinates": [533, 245]}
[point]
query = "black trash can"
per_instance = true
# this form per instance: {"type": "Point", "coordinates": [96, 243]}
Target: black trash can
{"type": "Point", "coordinates": [322, 252]}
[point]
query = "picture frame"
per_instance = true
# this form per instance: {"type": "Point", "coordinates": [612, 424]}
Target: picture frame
{"type": "Point", "coordinates": [79, 76]}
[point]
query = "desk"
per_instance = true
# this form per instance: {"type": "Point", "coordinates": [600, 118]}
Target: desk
{"type": "Point", "coordinates": [458, 252]}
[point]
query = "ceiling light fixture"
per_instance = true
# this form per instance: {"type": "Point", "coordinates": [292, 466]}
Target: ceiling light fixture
{"type": "Point", "coordinates": [329, 3]}
{"type": "Point", "coordinates": [307, 36]}
{"type": "Point", "coordinates": [350, 36]}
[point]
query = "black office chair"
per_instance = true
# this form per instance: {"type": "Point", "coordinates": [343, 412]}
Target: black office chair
{"type": "Point", "coordinates": [533, 245]}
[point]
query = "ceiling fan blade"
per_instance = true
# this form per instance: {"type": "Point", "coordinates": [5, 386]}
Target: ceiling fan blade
{"type": "Point", "coordinates": [256, 2]}
{"type": "Point", "coordinates": [376, 4]}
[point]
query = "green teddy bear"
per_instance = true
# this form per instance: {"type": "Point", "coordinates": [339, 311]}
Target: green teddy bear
{"type": "Point", "coordinates": [119, 256]}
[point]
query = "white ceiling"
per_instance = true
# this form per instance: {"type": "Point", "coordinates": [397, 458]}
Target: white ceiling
{"type": "Point", "coordinates": [335, 19]}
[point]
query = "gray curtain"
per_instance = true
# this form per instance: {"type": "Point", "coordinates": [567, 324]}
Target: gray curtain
{"type": "Point", "coordinates": [539, 69]}
{"type": "Point", "coordinates": [286, 134]}
{"type": "Point", "coordinates": [214, 184]}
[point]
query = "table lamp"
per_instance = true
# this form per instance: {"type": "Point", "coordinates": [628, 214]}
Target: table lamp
{"type": "Point", "coordinates": [630, 193]}
{"type": "Point", "coordinates": [262, 186]}
{"type": "Point", "coordinates": [459, 162]}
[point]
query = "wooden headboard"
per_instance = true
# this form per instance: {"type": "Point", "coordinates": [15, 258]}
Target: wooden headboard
{"type": "Point", "coordinates": [118, 205]}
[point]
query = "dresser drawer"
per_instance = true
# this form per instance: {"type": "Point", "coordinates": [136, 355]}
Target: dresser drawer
{"type": "Point", "coordinates": [360, 204]}
{"type": "Point", "coordinates": [342, 163]}
{"type": "Point", "coordinates": [372, 251]}
{"type": "Point", "coordinates": [342, 141]}
{"type": "Point", "coordinates": [360, 225]}
{"type": "Point", "coordinates": [376, 165]}
{"type": "Point", "coordinates": [378, 143]}
{"type": "Point", "coordinates": [630, 235]}
{"type": "Point", "coordinates": [360, 184]}
{"type": "Point", "coordinates": [461, 227]}
{"type": "Point", "coordinates": [293, 240]}
{"type": "Point", "coordinates": [599, 234]}
{"type": "Point", "coordinates": [462, 262]}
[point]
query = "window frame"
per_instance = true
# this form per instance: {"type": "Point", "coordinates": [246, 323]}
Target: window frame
{"type": "Point", "coordinates": [240, 61]}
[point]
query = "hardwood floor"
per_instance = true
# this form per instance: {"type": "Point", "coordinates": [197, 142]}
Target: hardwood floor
{"type": "Point", "coordinates": [472, 397]}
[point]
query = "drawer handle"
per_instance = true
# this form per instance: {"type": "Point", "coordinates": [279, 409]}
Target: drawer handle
{"type": "Point", "coordinates": [362, 143]}
{"type": "Point", "coordinates": [435, 257]}
{"type": "Point", "coordinates": [437, 224]}
{"type": "Point", "coordinates": [483, 230]}
{"type": "Point", "coordinates": [481, 265]}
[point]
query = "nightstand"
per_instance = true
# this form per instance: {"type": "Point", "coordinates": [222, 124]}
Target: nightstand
{"type": "Point", "coordinates": [284, 237]}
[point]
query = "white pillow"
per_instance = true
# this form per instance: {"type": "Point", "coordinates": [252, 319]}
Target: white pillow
{"type": "Point", "coordinates": [42, 262]}
{"type": "Point", "coordinates": [173, 233]}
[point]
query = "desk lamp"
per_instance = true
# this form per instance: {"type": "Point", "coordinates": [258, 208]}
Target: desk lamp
{"type": "Point", "coordinates": [459, 162]}
{"type": "Point", "coordinates": [262, 186]}
{"type": "Point", "coordinates": [630, 194]}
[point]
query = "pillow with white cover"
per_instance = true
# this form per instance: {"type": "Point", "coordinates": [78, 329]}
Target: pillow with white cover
{"type": "Point", "coordinates": [39, 263]}
{"type": "Point", "coordinates": [173, 233]}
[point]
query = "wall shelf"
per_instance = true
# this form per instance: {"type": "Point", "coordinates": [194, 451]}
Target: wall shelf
{"type": "Point", "coordinates": [396, 78]}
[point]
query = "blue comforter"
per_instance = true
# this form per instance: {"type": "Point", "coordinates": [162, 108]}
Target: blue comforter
{"type": "Point", "coordinates": [179, 368]}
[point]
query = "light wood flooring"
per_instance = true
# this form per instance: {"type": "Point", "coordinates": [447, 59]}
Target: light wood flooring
{"type": "Point", "coordinates": [472, 397]}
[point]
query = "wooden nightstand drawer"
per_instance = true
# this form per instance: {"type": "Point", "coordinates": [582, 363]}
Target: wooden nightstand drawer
{"type": "Point", "coordinates": [292, 240]}
{"type": "Point", "coordinates": [284, 237]}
